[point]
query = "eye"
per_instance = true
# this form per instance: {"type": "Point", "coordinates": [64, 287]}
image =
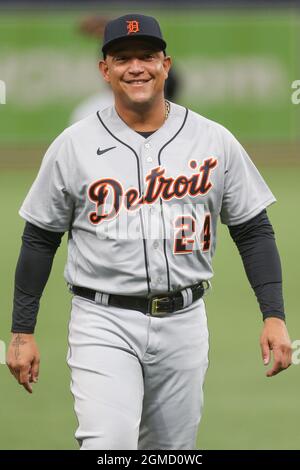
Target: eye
{"type": "Point", "coordinates": [120, 58]}
{"type": "Point", "coordinates": [148, 56]}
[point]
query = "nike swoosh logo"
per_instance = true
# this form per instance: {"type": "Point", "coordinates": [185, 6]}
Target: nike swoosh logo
{"type": "Point", "coordinates": [101, 152]}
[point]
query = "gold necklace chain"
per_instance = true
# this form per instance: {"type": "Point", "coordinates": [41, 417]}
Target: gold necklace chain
{"type": "Point", "coordinates": [167, 107]}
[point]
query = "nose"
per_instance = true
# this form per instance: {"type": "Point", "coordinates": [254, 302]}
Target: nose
{"type": "Point", "coordinates": [135, 66]}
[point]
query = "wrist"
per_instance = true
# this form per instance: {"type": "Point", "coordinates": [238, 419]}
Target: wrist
{"type": "Point", "coordinates": [272, 316]}
{"type": "Point", "coordinates": [274, 320]}
{"type": "Point", "coordinates": [17, 333]}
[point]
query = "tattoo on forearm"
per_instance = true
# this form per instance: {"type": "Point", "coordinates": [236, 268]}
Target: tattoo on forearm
{"type": "Point", "coordinates": [17, 342]}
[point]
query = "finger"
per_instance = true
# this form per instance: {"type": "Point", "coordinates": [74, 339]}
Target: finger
{"type": "Point", "coordinates": [14, 372]}
{"type": "Point", "coordinates": [10, 369]}
{"type": "Point", "coordinates": [24, 373]}
{"type": "Point", "coordinates": [277, 363]}
{"type": "Point", "coordinates": [24, 378]}
{"type": "Point", "coordinates": [27, 387]}
{"type": "Point", "coordinates": [35, 371]}
{"type": "Point", "coordinates": [278, 367]}
{"type": "Point", "coordinates": [274, 371]}
{"type": "Point", "coordinates": [265, 352]}
{"type": "Point", "coordinates": [286, 357]}
{"type": "Point", "coordinates": [285, 363]}
{"type": "Point", "coordinates": [286, 366]}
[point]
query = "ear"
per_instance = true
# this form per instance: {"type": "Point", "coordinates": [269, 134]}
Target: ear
{"type": "Point", "coordinates": [167, 63]}
{"type": "Point", "coordinates": [103, 67]}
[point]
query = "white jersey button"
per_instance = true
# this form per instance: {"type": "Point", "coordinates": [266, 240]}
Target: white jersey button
{"type": "Point", "coordinates": [149, 159]}
{"type": "Point", "coordinates": [155, 245]}
{"type": "Point", "coordinates": [147, 145]}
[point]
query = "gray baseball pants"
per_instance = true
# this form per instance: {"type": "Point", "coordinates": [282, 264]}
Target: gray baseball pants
{"type": "Point", "coordinates": [136, 379]}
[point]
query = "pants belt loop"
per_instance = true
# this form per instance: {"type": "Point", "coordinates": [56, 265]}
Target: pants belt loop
{"type": "Point", "coordinates": [187, 296]}
{"type": "Point", "coordinates": [101, 298]}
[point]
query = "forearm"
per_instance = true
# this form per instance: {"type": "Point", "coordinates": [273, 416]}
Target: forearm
{"type": "Point", "coordinates": [256, 244]}
{"type": "Point", "coordinates": [32, 272]}
{"type": "Point", "coordinates": [263, 268]}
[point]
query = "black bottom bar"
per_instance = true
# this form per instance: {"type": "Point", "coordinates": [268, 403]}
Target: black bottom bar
{"type": "Point", "coordinates": [134, 459]}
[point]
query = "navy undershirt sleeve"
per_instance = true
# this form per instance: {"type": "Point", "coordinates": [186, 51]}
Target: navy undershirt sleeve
{"type": "Point", "coordinates": [32, 272]}
{"type": "Point", "coordinates": [255, 241]}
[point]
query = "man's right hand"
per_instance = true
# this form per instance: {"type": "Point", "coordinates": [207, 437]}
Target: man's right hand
{"type": "Point", "coordinates": [23, 359]}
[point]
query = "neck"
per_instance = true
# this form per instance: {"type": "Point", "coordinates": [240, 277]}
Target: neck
{"type": "Point", "coordinates": [144, 117]}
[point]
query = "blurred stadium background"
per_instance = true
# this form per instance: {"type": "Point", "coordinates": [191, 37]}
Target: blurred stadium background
{"type": "Point", "coordinates": [236, 66]}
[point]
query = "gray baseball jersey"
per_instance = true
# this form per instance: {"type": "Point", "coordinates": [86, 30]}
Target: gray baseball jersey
{"type": "Point", "coordinates": [142, 213]}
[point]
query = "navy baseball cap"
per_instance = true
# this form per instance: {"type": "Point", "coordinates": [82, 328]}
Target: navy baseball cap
{"type": "Point", "coordinates": [133, 26]}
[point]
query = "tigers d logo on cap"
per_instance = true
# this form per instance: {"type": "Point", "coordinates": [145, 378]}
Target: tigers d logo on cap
{"type": "Point", "coordinates": [133, 26]}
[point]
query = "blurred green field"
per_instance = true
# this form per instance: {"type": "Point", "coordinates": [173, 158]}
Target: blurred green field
{"type": "Point", "coordinates": [243, 409]}
{"type": "Point", "coordinates": [42, 57]}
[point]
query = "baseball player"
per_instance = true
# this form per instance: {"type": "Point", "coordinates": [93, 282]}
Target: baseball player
{"type": "Point", "coordinates": [139, 188]}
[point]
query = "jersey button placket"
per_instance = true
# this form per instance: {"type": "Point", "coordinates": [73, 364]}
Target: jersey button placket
{"type": "Point", "coordinates": [152, 216]}
{"type": "Point", "coordinates": [148, 156]}
{"type": "Point", "coordinates": [146, 160]}
{"type": "Point", "coordinates": [155, 244]}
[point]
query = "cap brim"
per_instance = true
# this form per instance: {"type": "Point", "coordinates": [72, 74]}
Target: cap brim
{"type": "Point", "coordinates": [157, 42]}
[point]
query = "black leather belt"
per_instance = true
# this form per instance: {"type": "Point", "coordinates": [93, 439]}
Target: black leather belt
{"type": "Point", "coordinates": [155, 305]}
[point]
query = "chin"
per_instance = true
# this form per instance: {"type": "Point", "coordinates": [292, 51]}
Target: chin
{"type": "Point", "coordinates": [140, 99]}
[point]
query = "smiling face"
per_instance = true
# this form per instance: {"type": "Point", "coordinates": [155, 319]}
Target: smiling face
{"type": "Point", "coordinates": [136, 71]}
